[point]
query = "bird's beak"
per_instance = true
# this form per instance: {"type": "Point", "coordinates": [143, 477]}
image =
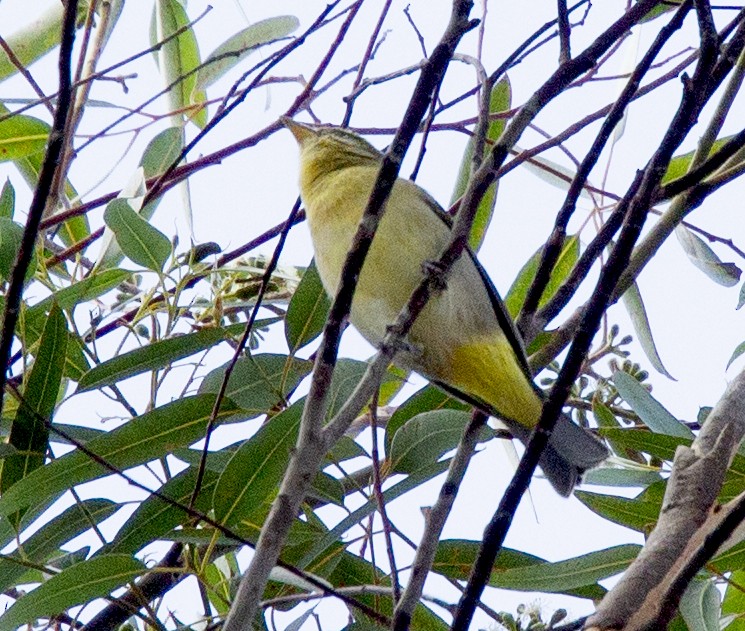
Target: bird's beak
{"type": "Point", "coordinates": [301, 132]}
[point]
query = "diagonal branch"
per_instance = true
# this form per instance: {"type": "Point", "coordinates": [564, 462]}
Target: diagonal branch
{"type": "Point", "coordinates": [311, 446]}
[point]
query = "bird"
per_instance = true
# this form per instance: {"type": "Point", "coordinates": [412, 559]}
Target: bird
{"type": "Point", "coordinates": [464, 341]}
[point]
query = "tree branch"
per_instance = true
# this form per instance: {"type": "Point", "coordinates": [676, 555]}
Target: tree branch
{"type": "Point", "coordinates": [691, 526]}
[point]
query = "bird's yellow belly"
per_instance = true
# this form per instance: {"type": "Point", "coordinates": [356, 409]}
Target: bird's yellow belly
{"type": "Point", "coordinates": [456, 340]}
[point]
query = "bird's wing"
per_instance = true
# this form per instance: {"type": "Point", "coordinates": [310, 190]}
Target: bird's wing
{"type": "Point", "coordinates": [500, 311]}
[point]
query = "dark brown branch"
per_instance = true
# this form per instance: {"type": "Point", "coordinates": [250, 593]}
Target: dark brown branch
{"type": "Point", "coordinates": [41, 193]}
{"type": "Point", "coordinates": [639, 196]}
{"type": "Point", "coordinates": [552, 250]}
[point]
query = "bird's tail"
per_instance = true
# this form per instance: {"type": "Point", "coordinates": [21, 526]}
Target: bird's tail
{"type": "Point", "coordinates": [570, 452]}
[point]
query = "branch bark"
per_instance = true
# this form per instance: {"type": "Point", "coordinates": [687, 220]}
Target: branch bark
{"type": "Point", "coordinates": [691, 521]}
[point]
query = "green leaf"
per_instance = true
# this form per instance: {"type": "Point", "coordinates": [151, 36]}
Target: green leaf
{"type": "Point", "coordinates": [34, 40]}
{"type": "Point", "coordinates": [75, 585]}
{"type": "Point", "coordinates": [640, 513]}
{"type": "Point", "coordinates": [90, 288]}
{"type": "Point", "coordinates": [22, 136]}
{"type": "Point", "coordinates": [660, 446]}
{"type": "Point", "coordinates": [650, 411]}
{"type": "Point", "coordinates": [499, 101]}
{"type": "Point", "coordinates": [322, 544]}
{"type": "Point", "coordinates": [259, 382]}
{"type": "Point", "coordinates": [151, 357]}
{"type": "Point", "coordinates": [607, 476]}
{"type": "Point", "coordinates": [29, 434]}
{"type": "Point", "coordinates": [574, 573]}
{"type": "Point", "coordinates": [705, 259]}
{"type": "Point", "coordinates": [30, 328]}
{"type": "Point", "coordinates": [40, 547]}
{"type": "Point", "coordinates": [7, 200]}
{"type": "Point", "coordinates": [74, 229]}
{"type": "Point", "coordinates": [632, 300]}
{"type": "Point", "coordinates": [257, 468]}
{"type": "Point", "coordinates": [736, 353]}
{"type": "Point", "coordinates": [680, 165]}
{"type": "Point", "coordinates": [11, 235]}
{"type": "Point", "coordinates": [455, 558]}
{"type": "Point", "coordinates": [236, 48]}
{"type": "Point", "coordinates": [178, 59]}
{"type": "Point", "coordinates": [161, 152]}
{"type": "Point", "coordinates": [426, 438]}
{"type": "Point", "coordinates": [141, 242]}
{"type": "Point", "coordinates": [734, 601]}
{"type": "Point", "coordinates": [148, 437]}
{"type": "Point", "coordinates": [519, 290]}
{"type": "Point", "coordinates": [307, 311]}
{"type": "Point", "coordinates": [427, 399]}
{"type": "Point", "coordinates": [156, 517]}
{"type": "Point", "coordinates": [700, 606]}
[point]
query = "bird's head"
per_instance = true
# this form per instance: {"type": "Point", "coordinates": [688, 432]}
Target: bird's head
{"type": "Point", "coordinates": [327, 149]}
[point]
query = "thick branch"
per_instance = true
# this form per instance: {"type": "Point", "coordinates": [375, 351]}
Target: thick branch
{"type": "Point", "coordinates": [650, 590]}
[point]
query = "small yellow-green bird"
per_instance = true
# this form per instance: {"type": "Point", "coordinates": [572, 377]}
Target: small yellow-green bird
{"type": "Point", "coordinates": [464, 339]}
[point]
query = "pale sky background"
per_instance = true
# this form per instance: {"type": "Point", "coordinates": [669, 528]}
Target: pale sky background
{"type": "Point", "coordinates": [694, 321]}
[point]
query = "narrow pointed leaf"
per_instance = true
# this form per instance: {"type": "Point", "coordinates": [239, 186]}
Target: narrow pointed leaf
{"type": "Point", "coordinates": [140, 242]}
{"type": "Point", "coordinates": [7, 200]}
{"type": "Point", "coordinates": [144, 438]}
{"type": "Point", "coordinates": [259, 382]}
{"type": "Point", "coordinates": [43, 544]}
{"type": "Point", "coordinates": [426, 438]}
{"type": "Point", "coordinates": [307, 311]}
{"type": "Point", "coordinates": [11, 234]}
{"type": "Point", "coordinates": [29, 434]}
{"type": "Point", "coordinates": [519, 290]}
{"type": "Point", "coordinates": [74, 229]}
{"type": "Point", "coordinates": [78, 584]}
{"type": "Point", "coordinates": [179, 58]}
{"type": "Point", "coordinates": [654, 415]}
{"type": "Point", "coordinates": [700, 606]}
{"type": "Point", "coordinates": [156, 517]}
{"type": "Point", "coordinates": [632, 300]}
{"type": "Point", "coordinates": [34, 40]}
{"type": "Point", "coordinates": [570, 574]}
{"type": "Point", "coordinates": [151, 357]}
{"type": "Point", "coordinates": [500, 101]}
{"type": "Point", "coordinates": [231, 52]}
{"type": "Point", "coordinates": [22, 136]}
{"type": "Point", "coordinates": [705, 259]}
{"type": "Point", "coordinates": [256, 469]}
{"type": "Point", "coordinates": [89, 288]}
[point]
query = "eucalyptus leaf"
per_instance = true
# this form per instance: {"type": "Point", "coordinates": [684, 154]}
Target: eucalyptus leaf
{"type": "Point", "coordinates": [307, 311]}
{"type": "Point", "coordinates": [22, 136]}
{"type": "Point", "coordinates": [564, 264]}
{"type": "Point", "coordinates": [705, 259]}
{"type": "Point", "coordinates": [150, 436]}
{"type": "Point", "coordinates": [651, 412]}
{"type": "Point", "coordinates": [140, 242]}
{"type": "Point", "coordinates": [500, 101]}
{"type": "Point", "coordinates": [700, 605]}
{"type": "Point", "coordinates": [632, 300]}
{"type": "Point", "coordinates": [77, 584]}
{"type": "Point", "coordinates": [29, 433]}
{"type": "Point", "coordinates": [7, 200]}
{"type": "Point", "coordinates": [154, 356]}
{"type": "Point", "coordinates": [236, 48]}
